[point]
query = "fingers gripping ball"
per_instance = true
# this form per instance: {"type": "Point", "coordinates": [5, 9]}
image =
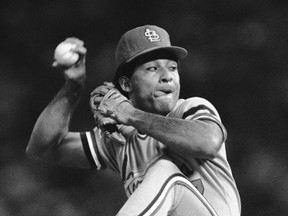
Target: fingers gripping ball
{"type": "Point", "coordinates": [64, 54]}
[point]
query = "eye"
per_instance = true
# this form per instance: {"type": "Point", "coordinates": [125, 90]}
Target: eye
{"type": "Point", "coordinates": [152, 68]}
{"type": "Point", "coordinates": [173, 68]}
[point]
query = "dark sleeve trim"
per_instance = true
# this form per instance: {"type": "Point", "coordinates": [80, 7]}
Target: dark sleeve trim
{"type": "Point", "coordinates": [103, 165]}
{"type": "Point", "coordinates": [87, 150]}
{"type": "Point", "coordinates": [193, 110]}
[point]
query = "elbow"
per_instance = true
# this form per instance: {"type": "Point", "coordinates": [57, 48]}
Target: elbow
{"type": "Point", "coordinates": [213, 146]}
{"type": "Point", "coordinates": [214, 141]}
{"type": "Point", "coordinates": [34, 152]}
{"type": "Point", "coordinates": [208, 143]}
{"type": "Point", "coordinates": [212, 150]}
{"type": "Point", "coordinates": [30, 153]}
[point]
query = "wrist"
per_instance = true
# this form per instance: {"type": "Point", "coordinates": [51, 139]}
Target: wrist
{"type": "Point", "coordinates": [125, 113]}
{"type": "Point", "coordinates": [76, 74]}
{"type": "Point", "coordinates": [73, 89]}
{"type": "Point", "coordinates": [135, 116]}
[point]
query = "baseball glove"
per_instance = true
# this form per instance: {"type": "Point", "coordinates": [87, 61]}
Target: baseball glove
{"type": "Point", "coordinates": [110, 102]}
{"type": "Point", "coordinates": [105, 112]}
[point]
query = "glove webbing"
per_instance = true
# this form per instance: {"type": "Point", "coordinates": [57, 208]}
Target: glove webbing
{"type": "Point", "coordinates": [111, 101]}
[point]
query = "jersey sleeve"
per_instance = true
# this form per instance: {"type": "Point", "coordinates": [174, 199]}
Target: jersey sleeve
{"type": "Point", "coordinates": [91, 150]}
{"type": "Point", "coordinates": [197, 108]}
{"type": "Point", "coordinates": [100, 150]}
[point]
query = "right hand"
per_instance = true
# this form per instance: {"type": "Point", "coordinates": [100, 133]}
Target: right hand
{"type": "Point", "coordinates": [76, 72]}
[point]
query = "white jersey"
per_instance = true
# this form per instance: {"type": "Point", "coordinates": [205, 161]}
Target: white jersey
{"type": "Point", "coordinates": [130, 153]}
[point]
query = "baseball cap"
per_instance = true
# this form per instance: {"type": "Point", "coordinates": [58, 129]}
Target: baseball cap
{"type": "Point", "coordinates": [142, 40]}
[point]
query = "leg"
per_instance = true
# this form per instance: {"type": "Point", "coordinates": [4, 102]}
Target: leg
{"type": "Point", "coordinates": [165, 191]}
{"type": "Point", "coordinates": [189, 201]}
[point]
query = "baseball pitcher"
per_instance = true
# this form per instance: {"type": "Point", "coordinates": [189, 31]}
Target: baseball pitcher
{"type": "Point", "coordinates": [169, 152]}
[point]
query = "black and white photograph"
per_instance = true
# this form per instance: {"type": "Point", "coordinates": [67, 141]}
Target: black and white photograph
{"type": "Point", "coordinates": [144, 108]}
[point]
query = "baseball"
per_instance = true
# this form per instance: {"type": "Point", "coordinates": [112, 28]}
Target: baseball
{"type": "Point", "coordinates": [64, 54]}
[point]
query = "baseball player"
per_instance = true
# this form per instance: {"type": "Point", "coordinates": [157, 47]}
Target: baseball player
{"type": "Point", "coordinates": [169, 152]}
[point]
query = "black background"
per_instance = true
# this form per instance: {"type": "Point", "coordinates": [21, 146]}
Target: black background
{"type": "Point", "coordinates": [237, 60]}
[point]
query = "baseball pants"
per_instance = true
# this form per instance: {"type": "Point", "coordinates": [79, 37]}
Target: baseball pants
{"type": "Point", "coordinates": [165, 191]}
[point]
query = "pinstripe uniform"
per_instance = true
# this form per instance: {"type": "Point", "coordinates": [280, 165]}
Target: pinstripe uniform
{"type": "Point", "coordinates": [134, 155]}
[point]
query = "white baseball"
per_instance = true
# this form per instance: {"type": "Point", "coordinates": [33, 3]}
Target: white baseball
{"type": "Point", "coordinates": [64, 54]}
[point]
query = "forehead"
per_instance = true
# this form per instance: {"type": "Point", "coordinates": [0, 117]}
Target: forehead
{"type": "Point", "coordinates": [155, 56]}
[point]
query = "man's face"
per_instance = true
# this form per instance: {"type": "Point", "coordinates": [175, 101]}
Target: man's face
{"type": "Point", "coordinates": [155, 86]}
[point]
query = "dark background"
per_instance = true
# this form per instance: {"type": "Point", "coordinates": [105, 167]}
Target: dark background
{"type": "Point", "coordinates": [237, 60]}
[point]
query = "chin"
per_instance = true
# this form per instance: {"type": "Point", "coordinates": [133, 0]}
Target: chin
{"type": "Point", "coordinates": [164, 108]}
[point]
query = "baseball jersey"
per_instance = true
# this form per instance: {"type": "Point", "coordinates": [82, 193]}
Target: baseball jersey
{"type": "Point", "coordinates": [131, 153]}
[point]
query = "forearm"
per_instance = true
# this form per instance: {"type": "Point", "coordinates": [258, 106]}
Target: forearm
{"type": "Point", "coordinates": [53, 123]}
{"type": "Point", "coordinates": [194, 138]}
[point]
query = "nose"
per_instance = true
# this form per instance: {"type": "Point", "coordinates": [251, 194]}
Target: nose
{"type": "Point", "coordinates": [165, 75]}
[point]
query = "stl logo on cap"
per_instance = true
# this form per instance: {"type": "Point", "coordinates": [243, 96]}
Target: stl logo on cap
{"type": "Point", "coordinates": [152, 35]}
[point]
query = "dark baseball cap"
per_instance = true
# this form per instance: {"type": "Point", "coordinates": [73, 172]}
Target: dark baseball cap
{"type": "Point", "coordinates": [142, 40]}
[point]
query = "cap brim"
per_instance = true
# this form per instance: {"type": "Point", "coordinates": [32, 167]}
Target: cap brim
{"type": "Point", "coordinates": [179, 52]}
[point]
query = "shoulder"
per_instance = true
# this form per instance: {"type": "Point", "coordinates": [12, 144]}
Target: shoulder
{"type": "Point", "coordinates": [193, 102]}
{"type": "Point", "coordinates": [197, 108]}
{"type": "Point", "coordinates": [194, 105]}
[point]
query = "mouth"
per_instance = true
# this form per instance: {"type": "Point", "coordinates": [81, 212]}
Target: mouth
{"type": "Point", "coordinates": [162, 92]}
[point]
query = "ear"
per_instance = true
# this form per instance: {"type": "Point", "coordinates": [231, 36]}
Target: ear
{"type": "Point", "coordinates": [125, 84]}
